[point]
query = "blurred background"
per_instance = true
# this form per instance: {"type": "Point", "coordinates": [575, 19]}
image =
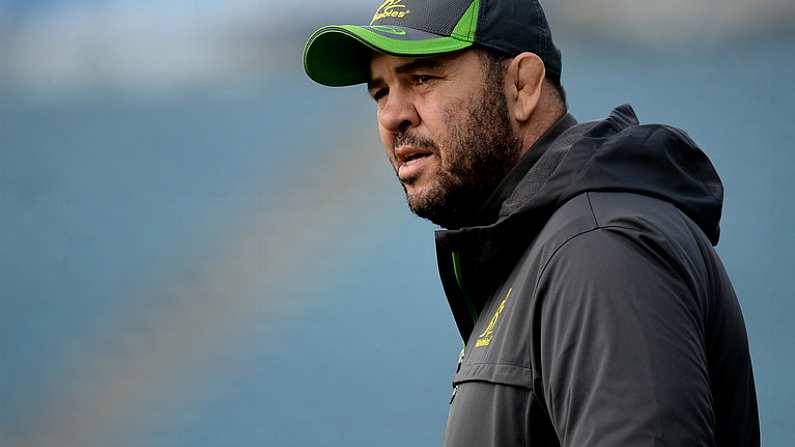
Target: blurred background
{"type": "Point", "coordinates": [201, 247]}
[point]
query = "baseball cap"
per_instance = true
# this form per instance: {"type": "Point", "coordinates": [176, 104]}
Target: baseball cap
{"type": "Point", "coordinates": [339, 55]}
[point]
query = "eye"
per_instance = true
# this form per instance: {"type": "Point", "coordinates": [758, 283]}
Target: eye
{"type": "Point", "coordinates": [379, 93]}
{"type": "Point", "coordinates": [422, 79]}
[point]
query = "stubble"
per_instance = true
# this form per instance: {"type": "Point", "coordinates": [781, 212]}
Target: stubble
{"type": "Point", "coordinates": [481, 150]}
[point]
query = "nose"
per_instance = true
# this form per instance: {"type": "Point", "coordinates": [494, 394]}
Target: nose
{"type": "Point", "coordinates": [399, 112]}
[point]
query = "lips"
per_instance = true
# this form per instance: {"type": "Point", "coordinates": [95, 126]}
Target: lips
{"type": "Point", "coordinates": [414, 156]}
{"type": "Point", "coordinates": [405, 154]}
{"type": "Point", "coordinates": [411, 160]}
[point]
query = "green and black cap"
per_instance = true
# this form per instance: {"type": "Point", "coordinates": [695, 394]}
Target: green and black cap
{"type": "Point", "coordinates": [339, 55]}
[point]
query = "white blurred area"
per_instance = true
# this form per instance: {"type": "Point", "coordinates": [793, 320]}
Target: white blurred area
{"type": "Point", "coordinates": [128, 44]}
{"type": "Point", "coordinates": [674, 22]}
{"type": "Point", "coordinates": [133, 44]}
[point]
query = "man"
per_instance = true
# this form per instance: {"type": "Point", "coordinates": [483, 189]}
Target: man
{"type": "Point", "coordinates": [577, 258]}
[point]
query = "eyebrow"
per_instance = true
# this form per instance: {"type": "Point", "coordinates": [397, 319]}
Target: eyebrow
{"type": "Point", "coordinates": [414, 65]}
{"type": "Point", "coordinates": [420, 64]}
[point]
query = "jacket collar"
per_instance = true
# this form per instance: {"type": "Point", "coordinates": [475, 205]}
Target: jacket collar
{"type": "Point", "coordinates": [491, 208]}
{"type": "Point", "coordinates": [473, 259]}
{"type": "Point", "coordinates": [614, 154]}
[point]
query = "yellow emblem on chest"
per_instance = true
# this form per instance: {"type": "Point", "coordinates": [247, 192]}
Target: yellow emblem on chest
{"type": "Point", "coordinates": [485, 338]}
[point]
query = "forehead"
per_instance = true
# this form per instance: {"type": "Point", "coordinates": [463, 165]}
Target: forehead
{"type": "Point", "coordinates": [382, 65]}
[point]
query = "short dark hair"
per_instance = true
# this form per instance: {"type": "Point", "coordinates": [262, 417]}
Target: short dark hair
{"type": "Point", "coordinates": [554, 81]}
{"type": "Point", "coordinates": [493, 61]}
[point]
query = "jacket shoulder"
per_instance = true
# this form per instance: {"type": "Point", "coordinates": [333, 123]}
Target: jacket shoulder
{"type": "Point", "coordinates": [652, 226]}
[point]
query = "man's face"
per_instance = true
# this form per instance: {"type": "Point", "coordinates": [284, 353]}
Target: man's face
{"type": "Point", "coordinates": [445, 127]}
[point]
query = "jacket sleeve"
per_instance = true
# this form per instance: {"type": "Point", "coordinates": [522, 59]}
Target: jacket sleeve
{"type": "Point", "coordinates": [622, 352]}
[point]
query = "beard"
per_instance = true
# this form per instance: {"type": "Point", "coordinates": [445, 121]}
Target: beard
{"type": "Point", "coordinates": [480, 152]}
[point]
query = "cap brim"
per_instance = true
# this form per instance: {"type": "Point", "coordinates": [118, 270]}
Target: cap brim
{"type": "Point", "coordinates": [340, 55]}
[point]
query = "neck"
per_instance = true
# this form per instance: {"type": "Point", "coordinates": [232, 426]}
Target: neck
{"type": "Point", "coordinates": [490, 209]}
{"type": "Point", "coordinates": [539, 125]}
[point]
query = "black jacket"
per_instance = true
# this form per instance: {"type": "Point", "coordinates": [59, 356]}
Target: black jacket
{"type": "Point", "coordinates": [594, 309]}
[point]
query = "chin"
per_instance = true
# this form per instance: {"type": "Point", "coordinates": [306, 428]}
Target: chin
{"type": "Point", "coordinates": [421, 198]}
{"type": "Point", "coordinates": [417, 191]}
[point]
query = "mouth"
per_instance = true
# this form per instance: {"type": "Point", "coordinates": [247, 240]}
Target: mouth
{"type": "Point", "coordinates": [410, 161]}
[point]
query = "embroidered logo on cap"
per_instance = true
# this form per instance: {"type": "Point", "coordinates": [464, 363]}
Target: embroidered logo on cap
{"type": "Point", "coordinates": [390, 8]}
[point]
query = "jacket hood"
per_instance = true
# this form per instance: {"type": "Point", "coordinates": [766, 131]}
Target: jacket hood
{"type": "Point", "coordinates": [615, 154]}
{"type": "Point", "coordinates": [619, 154]}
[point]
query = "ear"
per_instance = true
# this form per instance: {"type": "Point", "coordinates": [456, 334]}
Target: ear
{"type": "Point", "coordinates": [524, 78]}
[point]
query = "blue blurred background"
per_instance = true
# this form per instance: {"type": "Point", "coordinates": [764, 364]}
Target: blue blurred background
{"type": "Point", "coordinates": [201, 247]}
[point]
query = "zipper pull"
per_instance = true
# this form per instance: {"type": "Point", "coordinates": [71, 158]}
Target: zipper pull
{"type": "Point", "coordinates": [458, 368]}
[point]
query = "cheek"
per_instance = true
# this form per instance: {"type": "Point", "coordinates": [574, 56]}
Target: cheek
{"type": "Point", "coordinates": [441, 123]}
{"type": "Point", "coordinates": [387, 141]}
